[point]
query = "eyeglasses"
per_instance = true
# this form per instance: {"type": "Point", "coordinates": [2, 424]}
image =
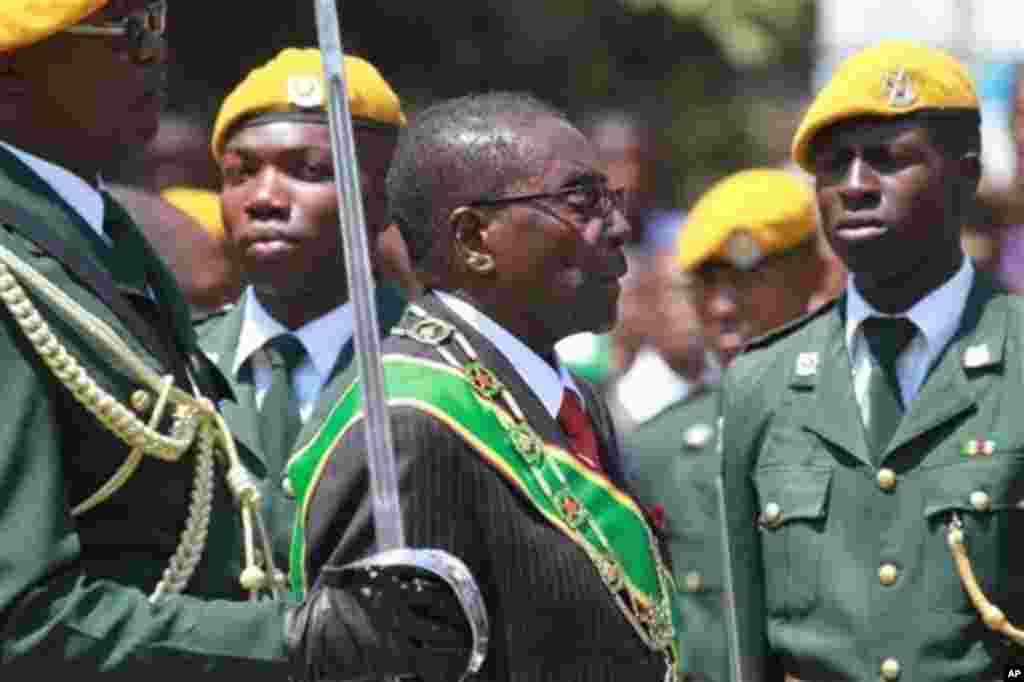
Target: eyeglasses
{"type": "Point", "coordinates": [589, 201]}
{"type": "Point", "coordinates": [136, 26]}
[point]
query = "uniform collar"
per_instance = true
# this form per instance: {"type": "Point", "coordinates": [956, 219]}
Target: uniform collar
{"type": "Point", "coordinates": [547, 383]}
{"type": "Point", "coordinates": [323, 338]}
{"type": "Point", "coordinates": [937, 315]}
{"type": "Point", "coordinates": [82, 197]}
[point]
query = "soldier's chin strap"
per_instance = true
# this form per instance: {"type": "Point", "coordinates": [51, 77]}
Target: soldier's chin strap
{"type": "Point", "coordinates": [194, 420]}
{"type": "Point", "coordinates": [991, 615]}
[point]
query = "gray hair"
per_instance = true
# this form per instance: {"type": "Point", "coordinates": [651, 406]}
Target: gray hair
{"type": "Point", "coordinates": [458, 151]}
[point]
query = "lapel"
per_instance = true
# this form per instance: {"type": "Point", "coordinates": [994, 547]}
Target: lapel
{"type": "Point", "coordinates": [219, 340]}
{"type": "Point", "coordinates": [94, 262]}
{"type": "Point", "coordinates": [23, 188]}
{"type": "Point", "coordinates": [536, 414]}
{"type": "Point", "coordinates": [821, 368]}
{"type": "Point", "coordinates": [390, 306]}
{"type": "Point", "coordinates": [165, 288]}
{"type": "Point", "coordinates": [963, 371]}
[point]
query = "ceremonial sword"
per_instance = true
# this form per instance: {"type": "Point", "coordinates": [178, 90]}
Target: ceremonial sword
{"type": "Point", "coordinates": [380, 449]}
{"type": "Point", "coordinates": [729, 593]}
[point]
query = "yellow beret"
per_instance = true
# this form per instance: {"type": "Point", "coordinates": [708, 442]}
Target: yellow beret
{"type": "Point", "coordinates": [747, 216]}
{"type": "Point", "coordinates": [294, 79]}
{"type": "Point", "coordinates": [201, 205]}
{"type": "Point", "coordinates": [892, 78]}
{"type": "Point", "coordinates": [23, 22]}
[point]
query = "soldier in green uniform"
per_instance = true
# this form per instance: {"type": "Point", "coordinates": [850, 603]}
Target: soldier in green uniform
{"type": "Point", "coordinates": [871, 451]}
{"type": "Point", "coordinates": [749, 251]}
{"type": "Point", "coordinates": [122, 548]}
{"type": "Point", "coordinates": [280, 210]}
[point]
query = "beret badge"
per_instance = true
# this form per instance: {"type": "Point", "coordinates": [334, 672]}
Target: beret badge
{"type": "Point", "coordinates": [305, 91]}
{"type": "Point", "coordinates": [898, 89]}
{"type": "Point", "coordinates": [742, 250]}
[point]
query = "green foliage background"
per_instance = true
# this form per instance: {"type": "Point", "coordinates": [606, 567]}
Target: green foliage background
{"type": "Point", "coordinates": [720, 81]}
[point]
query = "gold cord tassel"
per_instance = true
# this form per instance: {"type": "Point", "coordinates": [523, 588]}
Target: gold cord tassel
{"type": "Point", "coordinates": [192, 416]}
{"type": "Point", "coordinates": [991, 615]}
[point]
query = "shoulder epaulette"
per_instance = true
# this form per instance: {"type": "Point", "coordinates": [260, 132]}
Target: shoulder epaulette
{"type": "Point", "coordinates": [790, 327]}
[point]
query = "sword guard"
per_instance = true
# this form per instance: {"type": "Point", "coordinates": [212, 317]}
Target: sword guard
{"type": "Point", "coordinates": [405, 563]}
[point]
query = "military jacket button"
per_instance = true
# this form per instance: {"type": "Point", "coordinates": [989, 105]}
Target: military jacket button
{"type": "Point", "coordinates": [772, 514]}
{"type": "Point", "coordinates": [890, 669]}
{"type": "Point", "coordinates": [980, 500]}
{"type": "Point", "coordinates": [886, 479]}
{"type": "Point", "coordinates": [286, 486]}
{"type": "Point", "coordinates": [141, 401]}
{"type": "Point", "coordinates": [887, 574]}
{"type": "Point", "coordinates": [693, 581]}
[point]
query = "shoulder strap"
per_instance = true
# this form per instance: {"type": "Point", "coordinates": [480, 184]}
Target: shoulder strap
{"type": "Point", "coordinates": [100, 282]}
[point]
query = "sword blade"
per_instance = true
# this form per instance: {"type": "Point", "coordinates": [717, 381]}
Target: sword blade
{"type": "Point", "coordinates": [380, 450]}
{"type": "Point", "coordinates": [729, 595]}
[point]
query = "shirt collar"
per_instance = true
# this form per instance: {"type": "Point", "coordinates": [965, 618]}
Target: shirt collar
{"type": "Point", "coordinates": [547, 383]}
{"type": "Point", "coordinates": [937, 315]}
{"type": "Point", "coordinates": [323, 338]}
{"type": "Point", "coordinates": [82, 197]}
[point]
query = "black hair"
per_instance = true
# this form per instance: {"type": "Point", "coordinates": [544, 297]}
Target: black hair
{"type": "Point", "coordinates": [956, 131]}
{"type": "Point", "coordinates": [458, 151]}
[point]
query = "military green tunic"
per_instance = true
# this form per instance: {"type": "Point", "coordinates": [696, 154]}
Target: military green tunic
{"type": "Point", "coordinates": [73, 589]}
{"type": "Point", "coordinates": [218, 337]}
{"type": "Point", "coordinates": [842, 569]}
{"type": "Point", "coordinates": [673, 462]}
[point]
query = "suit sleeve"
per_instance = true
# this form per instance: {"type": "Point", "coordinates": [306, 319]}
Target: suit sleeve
{"type": "Point", "coordinates": [438, 490]}
{"type": "Point", "coordinates": [448, 500]}
{"type": "Point", "coordinates": [741, 433]}
{"type": "Point", "coordinates": [56, 620]}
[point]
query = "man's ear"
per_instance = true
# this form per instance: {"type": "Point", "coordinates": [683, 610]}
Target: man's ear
{"type": "Point", "coordinates": [467, 225]}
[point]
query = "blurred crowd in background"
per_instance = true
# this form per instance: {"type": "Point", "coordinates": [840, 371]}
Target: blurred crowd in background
{"type": "Point", "coordinates": [676, 94]}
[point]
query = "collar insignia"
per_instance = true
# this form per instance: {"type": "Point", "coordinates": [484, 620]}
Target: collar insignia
{"type": "Point", "coordinates": [698, 435]}
{"type": "Point", "coordinates": [807, 364]}
{"type": "Point", "coordinates": [977, 356]}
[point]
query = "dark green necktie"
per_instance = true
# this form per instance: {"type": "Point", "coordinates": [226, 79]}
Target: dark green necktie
{"type": "Point", "coordinates": [279, 427]}
{"type": "Point", "coordinates": [887, 337]}
{"type": "Point", "coordinates": [279, 413]}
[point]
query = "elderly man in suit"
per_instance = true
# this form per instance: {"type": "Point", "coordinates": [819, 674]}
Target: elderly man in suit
{"type": "Point", "coordinates": [872, 450]}
{"type": "Point", "coordinates": [505, 459]}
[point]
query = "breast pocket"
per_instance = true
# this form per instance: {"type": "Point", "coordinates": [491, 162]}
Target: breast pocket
{"type": "Point", "coordinates": [793, 505]}
{"type": "Point", "coordinates": [985, 494]}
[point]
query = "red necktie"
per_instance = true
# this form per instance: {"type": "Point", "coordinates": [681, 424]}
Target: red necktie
{"type": "Point", "coordinates": [576, 424]}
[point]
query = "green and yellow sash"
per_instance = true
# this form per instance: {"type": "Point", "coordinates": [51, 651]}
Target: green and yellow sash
{"type": "Point", "coordinates": [584, 505]}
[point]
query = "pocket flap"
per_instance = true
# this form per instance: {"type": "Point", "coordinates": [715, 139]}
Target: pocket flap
{"type": "Point", "coordinates": [979, 485]}
{"type": "Point", "coordinates": [791, 493]}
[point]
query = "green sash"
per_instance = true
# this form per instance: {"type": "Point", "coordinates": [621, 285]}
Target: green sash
{"type": "Point", "coordinates": [633, 568]}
